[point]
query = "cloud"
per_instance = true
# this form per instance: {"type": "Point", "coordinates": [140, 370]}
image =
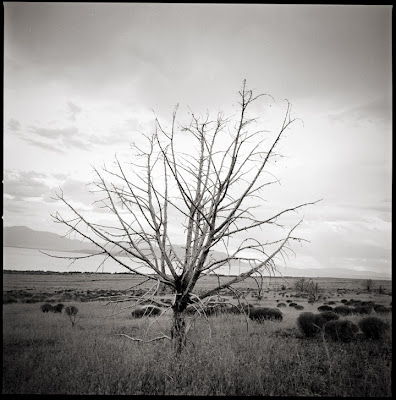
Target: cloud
{"type": "Point", "coordinates": [54, 133]}
{"type": "Point", "coordinates": [42, 145]}
{"type": "Point", "coordinates": [73, 110]}
{"type": "Point", "coordinates": [14, 125]}
{"type": "Point", "coordinates": [24, 184]}
{"type": "Point", "coordinates": [59, 138]}
{"type": "Point", "coordinates": [373, 113]}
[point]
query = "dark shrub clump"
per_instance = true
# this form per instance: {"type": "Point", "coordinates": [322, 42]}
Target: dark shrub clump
{"type": "Point", "coordinates": [344, 301]}
{"type": "Point", "coordinates": [149, 311]}
{"type": "Point", "coordinates": [342, 310]}
{"type": "Point", "coordinates": [46, 307]}
{"type": "Point", "coordinates": [310, 324]}
{"type": "Point", "coordinates": [58, 308]}
{"type": "Point", "coordinates": [329, 315]}
{"type": "Point", "coordinates": [263, 313]}
{"type": "Point", "coordinates": [380, 309]}
{"type": "Point", "coordinates": [362, 309]}
{"type": "Point", "coordinates": [373, 327]}
{"type": "Point", "coordinates": [292, 304]}
{"type": "Point", "coordinates": [325, 308]}
{"type": "Point", "coordinates": [341, 330]}
{"type": "Point", "coordinates": [299, 307]}
{"type": "Point", "coordinates": [71, 310]}
{"type": "Point", "coordinates": [281, 305]}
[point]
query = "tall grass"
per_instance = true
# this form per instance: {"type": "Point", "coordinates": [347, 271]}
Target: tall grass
{"type": "Point", "coordinates": [44, 354]}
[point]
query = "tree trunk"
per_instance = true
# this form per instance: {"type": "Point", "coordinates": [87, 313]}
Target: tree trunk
{"type": "Point", "coordinates": [178, 332]}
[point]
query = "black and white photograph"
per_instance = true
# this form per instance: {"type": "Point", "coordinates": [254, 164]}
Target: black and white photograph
{"type": "Point", "coordinates": [197, 199]}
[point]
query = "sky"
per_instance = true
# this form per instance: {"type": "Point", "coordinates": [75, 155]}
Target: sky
{"type": "Point", "coordinates": [83, 80]}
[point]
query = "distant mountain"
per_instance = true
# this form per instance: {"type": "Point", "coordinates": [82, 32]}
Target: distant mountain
{"type": "Point", "coordinates": [332, 273]}
{"type": "Point", "coordinates": [21, 236]}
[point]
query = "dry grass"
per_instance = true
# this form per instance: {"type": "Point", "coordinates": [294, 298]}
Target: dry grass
{"type": "Point", "coordinates": [43, 353]}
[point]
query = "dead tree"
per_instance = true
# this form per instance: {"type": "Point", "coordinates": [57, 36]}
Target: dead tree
{"type": "Point", "coordinates": [208, 188]}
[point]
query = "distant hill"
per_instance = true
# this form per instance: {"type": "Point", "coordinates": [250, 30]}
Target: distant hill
{"type": "Point", "coordinates": [21, 236]}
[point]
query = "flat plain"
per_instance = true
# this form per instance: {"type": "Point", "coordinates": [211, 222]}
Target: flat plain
{"type": "Point", "coordinates": [226, 354]}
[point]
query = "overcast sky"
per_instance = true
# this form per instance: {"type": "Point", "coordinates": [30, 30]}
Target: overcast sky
{"type": "Point", "coordinates": [81, 79]}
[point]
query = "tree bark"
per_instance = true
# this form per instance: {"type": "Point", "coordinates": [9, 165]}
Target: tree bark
{"type": "Point", "coordinates": [178, 331]}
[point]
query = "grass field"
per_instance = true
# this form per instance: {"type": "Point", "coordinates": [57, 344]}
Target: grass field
{"type": "Point", "coordinates": [43, 353]}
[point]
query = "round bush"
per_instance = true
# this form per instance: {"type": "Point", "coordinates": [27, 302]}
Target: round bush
{"type": "Point", "coordinates": [217, 309]}
{"type": "Point", "coordinates": [325, 308]}
{"type": "Point", "coordinates": [292, 304]}
{"type": "Point", "coordinates": [146, 311]}
{"type": "Point", "coordinates": [380, 309]}
{"type": "Point", "coordinates": [46, 307]}
{"type": "Point", "coordinates": [331, 302]}
{"type": "Point", "coordinates": [71, 310]}
{"type": "Point", "coordinates": [281, 305]}
{"type": "Point", "coordinates": [263, 313]}
{"type": "Point", "coordinates": [344, 301]}
{"type": "Point", "coordinates": [373, 327]}
{"type": "Point", "coordinates": [58, 308]}
{"type": "Point", "coordinates": [299, 307]}
{"type": "Point", "coordinates": [362, 310]}
{"type": "Point", "coordinates": [329, 315]}
{"type": "Point", "coordinates": [341, 330]}
{"type": "Point", "coordinates": [342, 310]}
{"type": "Point", "coordinates": [288, 301]}
{"type": "Point", "coordinates": [310, 324]}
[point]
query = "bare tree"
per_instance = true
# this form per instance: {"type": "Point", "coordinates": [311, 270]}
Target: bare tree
{"type": "Point", "coordinates": [368, 284]}
{"type": "Point", "coordinates": [208, 190]}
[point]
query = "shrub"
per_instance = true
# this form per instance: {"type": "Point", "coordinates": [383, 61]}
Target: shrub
{"type": "Point", "coordinates": [331, 302]}
{"type": "Point", "coordinates": [46, 307]}
{"type": "Point", "coordinates": [329, 315]}
{"type": "Point", "coordinates": [373, 327]}
{"type": "Point", "coordinates": [362, 309]}
{"type": "Point", "coordinates": [292, 304]}
{"type": "Point", "coordinates": [341, 330]}
{"type": "Point", "coordinates": [342, 310]}
{"type": "Point", "coordinates": [310, 324]}
{"type": "Point", "coordinates": [344, 301]}
{"type": "Point", "coordinates": [288, 301]}
{"type": "Point", "coordinates": [264, 313]}
{"type": "Point", "coordinates": [217, 309]}
{"type": "Point", "coordinates": [380, 309]}
{"type": "Point", "coordinates": [281, 305]}
{"type": "Point", "coordinates": [148, 311]}
{"type": "Point", "coordinates": [325, 308]}
{"type": "Point", "coordinates": [71, 311]}
{"type": "Point", "coordinates": [299, 307]}
{"type": "Point", "coordinates": [58, 308]}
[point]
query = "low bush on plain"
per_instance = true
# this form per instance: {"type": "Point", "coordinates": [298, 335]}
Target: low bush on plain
{"type": "Point", "coordinates": [292, 304]}
{"type": "Point", "coordinates": [341, 330]}
{"type": "Point", "coordinates": [329, 315]}
{"type": "Point", "coordinates": [46, 307]}
{"type": "Point", "coordinates": [146, 311]}
{"type": "Point", "coordinates": [263, 313]}
{"type": "Point", "coordinates": [281, 305]}
{"type": "Point", "coordinates": [299, 307]}
{"type": "Point", "coordinates": [325, 308]}
{"type": "Point", "coordinates": [310, 324]}
{"type": "Point", "coordinates": [58, 308]}
{"type": "Point", "coordinates": [362, 309]}
{"type": "Point", "coordinates": [373, 327]}
{"type": "Point", "coordinates": [342, 310]}
{"type": "Point", "coordinates": [380, 309]}
{"type": "Point", "coordinates": [71, 312]}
